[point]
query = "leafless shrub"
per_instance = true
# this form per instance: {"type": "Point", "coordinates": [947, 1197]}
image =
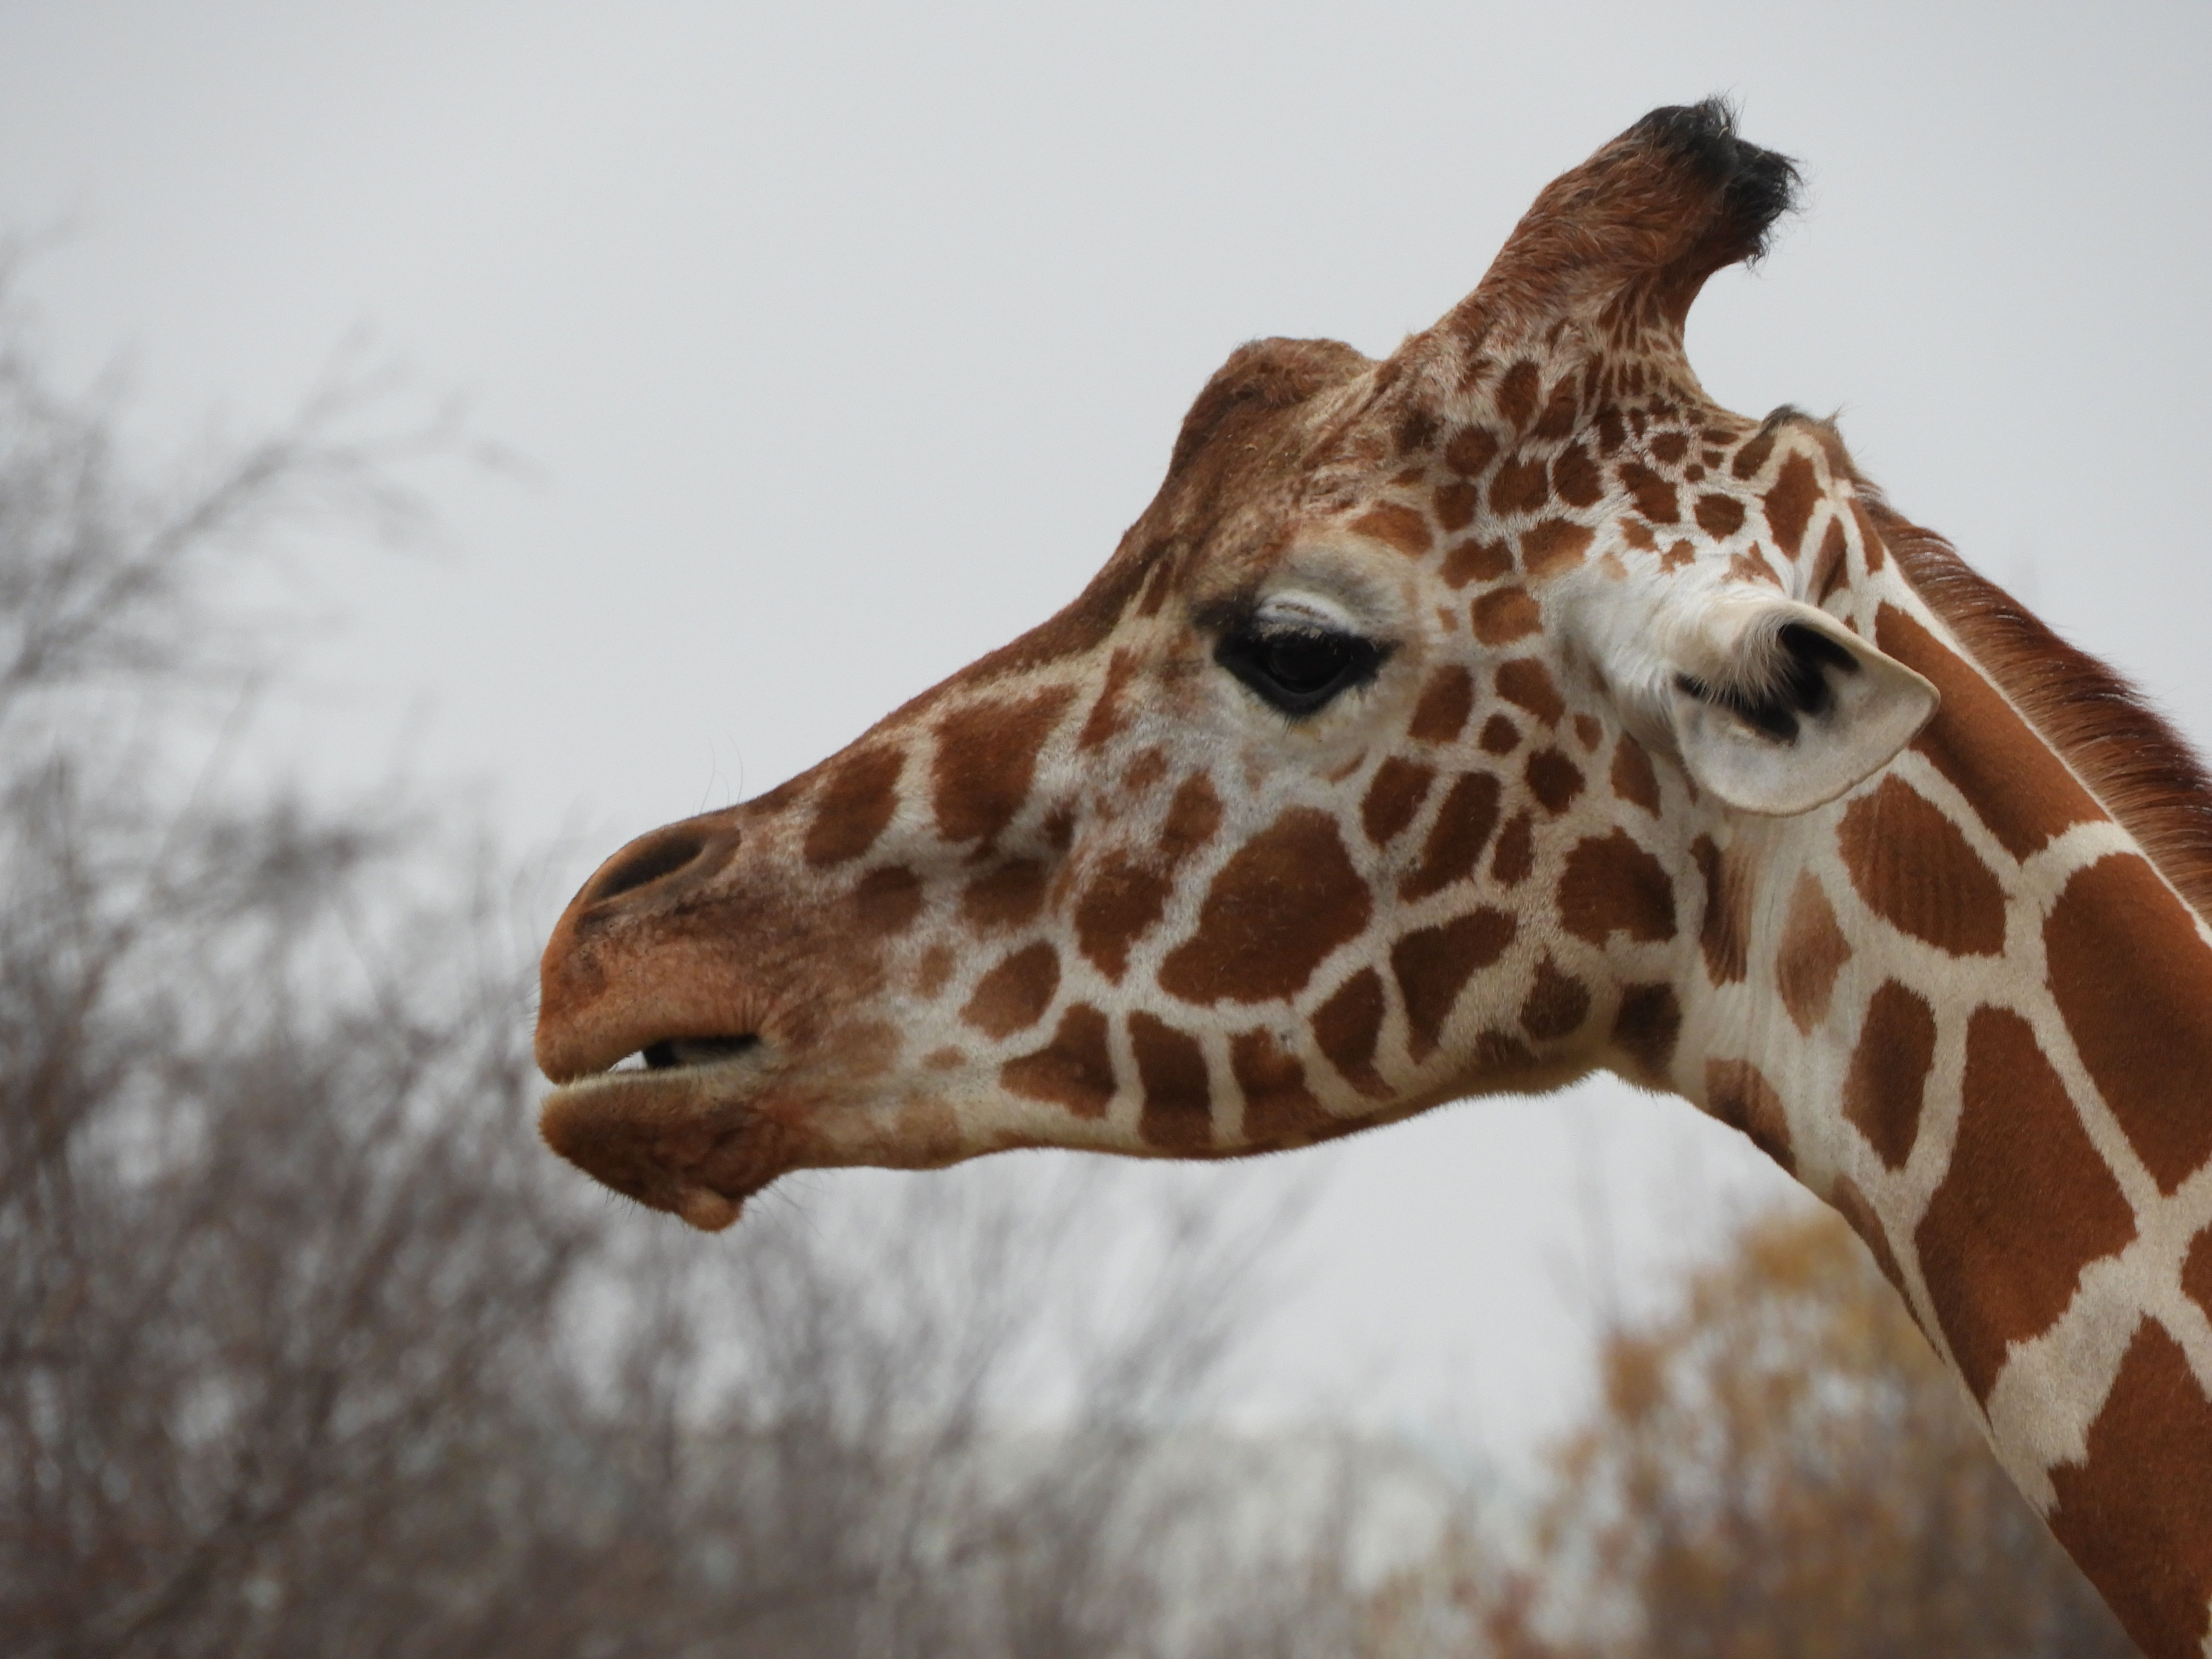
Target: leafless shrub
{"type": "Point", "coordinates": [306, 1347]}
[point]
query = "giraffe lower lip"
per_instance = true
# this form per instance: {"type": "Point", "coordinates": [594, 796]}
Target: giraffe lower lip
{"type": "Point", "coordinates": [683, 1138]}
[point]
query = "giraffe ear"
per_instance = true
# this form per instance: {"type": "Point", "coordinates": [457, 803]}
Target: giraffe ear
{"type": "Point", "coordinates": [1782, 708]}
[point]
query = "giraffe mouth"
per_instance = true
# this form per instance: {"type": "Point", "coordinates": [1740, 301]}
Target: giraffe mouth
{"type": "Point", "coordinates": [674, 1053]}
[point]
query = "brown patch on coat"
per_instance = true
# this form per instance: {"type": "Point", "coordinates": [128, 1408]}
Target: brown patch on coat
{"type": "Point", "coordinates": [1645, 1028]}
{"type": "Point", "coordinates": [1889, 1078]}
{"type": "Point", "coordinates": [1008, 896]}
{"type": "Point", "coordinates": [2138, 1513]}
{"type": "Point", "coordinates": [1831, 565]}
{"type": "Point", "coordinates": [1471, 450]}
{"type": "Point", "coordinates": [1178, 1109]}
{"type": "Point", "coordinates": [1670, 446]}
{"type": "Point", "coordinates": [1914, 869]}
{"type": "Point", "coordinates": [1416, 430]}
{"type": "Point", "coordinates": [1397, 525]}
{"type": "Point", "coordinates": [1284, 901]}
{"type": "Point", "coordinates": [1576, 479]}
{"type": "Point", "coordinates": [1719, 516]}
{"type": "Point", "coordinates": [886, 902]}
{"type": "Point", "coordinates": [985, 761]}
{"type": "Point", "coordinates": [1516, 394]}
{"type": "Point", "coordinates": [1347, 1028]}
{"type": "Point", "coordinates": [1750, 566]}
{"type": "Point", "coordinates": [1553, 545]}
{"type": "Point", "coordinates": [1154, 594]}
{"type": "Point", "coordinates": [1074, 1070]}
{"type": "Point", "coordinates": [1725, 935]}
{"type": "Point", "coordinates": [1739, 1095]}
{"type": "Point", "coordinates": [1146, 767]}
{"type": "Point", "coordinates": [933, 971]}
{"type": "Point", "coordinates": [1654, 493]}
{"type": "Point", "coordinates": [1193, 818]}
{"type": "Point", "coordinates": [1128, 893]}
{"type": "Point", "coordinates": [854, 806]}
{"type": "Point", "coordinates": [1446, 701]}
{"type": "Point", "coordinates": [2017, 785]}
{"type": "Point", "coordinates": [1852, 1204]}
{"type": "Point", "coordinates": [1790, 504]}
{"type": "Point", "coordinates": [2025, 1204]}
{"type": "Point", "coordinates": [2132, 982]}
{"type": "Point", "coordinates": [1516, 851]}
{"type": "Point", "coordinates": [1812, 952]}
{"type": "Point", "coordinates": [1124, 899]}
{"type": "Point", "coordinates": [1520, 486]}
{"type": "Point", "coordinates": [1556, 1006]}
{"type": "Point", "coordinates": [1279, 1110]}
{"type": "Point", "coordinates": [1553, 779]}
{"type": "Point", "coordinates": [1393, 798]}
{"type": "Point", "coordinates": [1611, 885]}
{"type": "Point", "coordinates": [1455, 505]}
{"type": "Point", "coordinates": [1432, 964]}
{"type": "Point", "coordinates": [1499, 736]}
{"type": "Point", "coordinates": [1526, 683]}
{"type": "Point", "coordinates": [2197, 1272]}
{"type": "Point", "coordinates": [1561, 409]}
{"type": "Point", "coordinates": [1013, 996]}
{"type": "Point", "coordinates": [1476, 560]}
{"type": "Point", "coordinates": [1504, 614]}
{"type": "Point", "coordinates": [1632, 778]}
{"type": "Point", "coordinates": [1105, 718]}
{"type": "Point", "coordinates": [1456, 836]}
{"type": "Point", "coordinates": [1869, 538]}
{"type": "Point", "coordinates": [1753, 456]}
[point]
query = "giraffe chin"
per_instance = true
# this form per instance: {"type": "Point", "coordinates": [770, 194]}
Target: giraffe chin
{"type": "Point", "coordinates": [683, 1142]}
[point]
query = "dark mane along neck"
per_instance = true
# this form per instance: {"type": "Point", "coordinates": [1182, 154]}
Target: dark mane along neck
{"type": "Point", "coordinates": [2142, 771]}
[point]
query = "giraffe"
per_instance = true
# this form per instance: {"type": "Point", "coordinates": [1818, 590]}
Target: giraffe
{"type": "Point", "coordinates": [1458, 724]}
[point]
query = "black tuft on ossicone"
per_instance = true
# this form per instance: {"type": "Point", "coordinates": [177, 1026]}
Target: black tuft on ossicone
{"type": "Point", "coordinates": [1757, 186]}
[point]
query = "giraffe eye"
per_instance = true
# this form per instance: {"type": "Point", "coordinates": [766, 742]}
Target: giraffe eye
{"type": "Point", "coordinates": [1298, 670]}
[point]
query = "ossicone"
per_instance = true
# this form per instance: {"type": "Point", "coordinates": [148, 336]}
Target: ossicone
{"type": "Point", "coordinates": [1634, 231]}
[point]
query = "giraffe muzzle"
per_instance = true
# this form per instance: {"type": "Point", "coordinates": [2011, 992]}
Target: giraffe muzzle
{"type": "Point", "coordinates": [681, 1136]}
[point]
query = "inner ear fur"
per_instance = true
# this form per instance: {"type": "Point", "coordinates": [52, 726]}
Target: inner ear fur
{"type": "Point", "coordinates": [1785, 708]}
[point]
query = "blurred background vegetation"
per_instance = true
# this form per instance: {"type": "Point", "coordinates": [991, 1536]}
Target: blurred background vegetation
{"type": "Point", "coordinates": [308, 1348]}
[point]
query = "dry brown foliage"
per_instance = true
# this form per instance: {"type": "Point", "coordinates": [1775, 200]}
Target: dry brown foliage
{"type": "Point", "coordinates": [306, 1347]}
{"type": "Point", "coordinates": [1777, 1468]}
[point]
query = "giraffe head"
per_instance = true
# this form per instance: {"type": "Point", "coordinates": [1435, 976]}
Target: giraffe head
{"type": "Point", "coordinates": [1380, 765]}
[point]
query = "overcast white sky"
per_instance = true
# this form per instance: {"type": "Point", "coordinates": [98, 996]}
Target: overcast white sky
{"type": "Point", "coordinates": [843, 341]}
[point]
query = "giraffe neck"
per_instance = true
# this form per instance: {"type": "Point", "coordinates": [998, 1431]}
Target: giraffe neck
{"type": "Point", "coordinates": [1964, 1007]}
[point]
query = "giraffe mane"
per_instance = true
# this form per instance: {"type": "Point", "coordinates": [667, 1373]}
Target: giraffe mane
{"type": "Point", "coordinates": [2134, 762]}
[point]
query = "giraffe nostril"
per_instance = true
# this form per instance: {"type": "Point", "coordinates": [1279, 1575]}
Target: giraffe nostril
{"type": "Point", "coordinates": [656, 856]}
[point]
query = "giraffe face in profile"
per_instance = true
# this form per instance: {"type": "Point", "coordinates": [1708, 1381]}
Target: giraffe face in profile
{"type": "Point", "coordinates": [1465, 720]}
{"type": "Point", "coordinates": [1376, 769]}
